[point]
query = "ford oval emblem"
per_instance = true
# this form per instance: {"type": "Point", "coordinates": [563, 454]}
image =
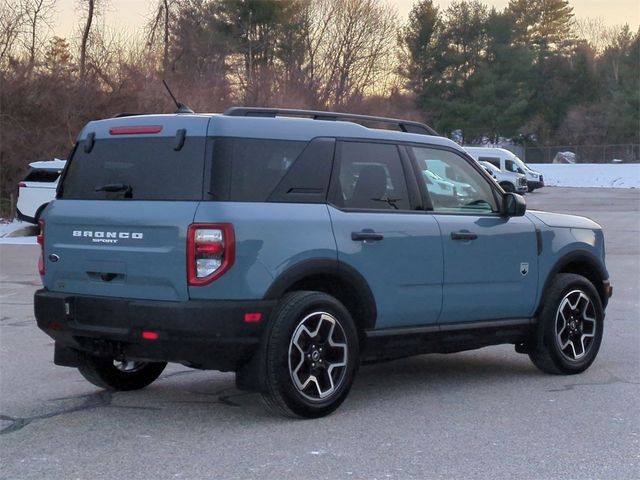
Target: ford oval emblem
{"type": "Point", "coordinates": [54, 258]}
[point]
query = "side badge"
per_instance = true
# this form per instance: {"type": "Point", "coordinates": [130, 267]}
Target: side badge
{"type": "Point", "coordinates": [524, 269]}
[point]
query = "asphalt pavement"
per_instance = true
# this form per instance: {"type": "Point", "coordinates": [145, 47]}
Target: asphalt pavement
{"type": "Point", "coordinates": [482, 414]}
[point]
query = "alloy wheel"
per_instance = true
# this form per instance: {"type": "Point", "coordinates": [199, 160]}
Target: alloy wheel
{"type": "Point", "coordinates": [318, 356]}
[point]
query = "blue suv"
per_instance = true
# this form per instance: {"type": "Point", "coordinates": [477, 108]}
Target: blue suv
{"type": "Point", "coordinates": [289, 246]}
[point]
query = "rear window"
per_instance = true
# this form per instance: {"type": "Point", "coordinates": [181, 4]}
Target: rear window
{"type": "Point", "coordinates": [136, 169]}
{"type": "Point", "coordinates": [38, 175]}
{"type": "Point", "coordinates": [249, 169]}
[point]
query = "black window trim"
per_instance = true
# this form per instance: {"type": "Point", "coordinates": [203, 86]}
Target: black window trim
{"type": "Point", "coordinates": [414, 208]}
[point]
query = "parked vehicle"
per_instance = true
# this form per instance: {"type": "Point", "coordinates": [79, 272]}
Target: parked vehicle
{"type": "Point", "coordinates": [509, 181]}
{"type": "Point", "coordinates": [38, 188]}
{"type": "Point", "coordinates": [290, 250]}
{"type": "Point", "coordinates": [507, 162]}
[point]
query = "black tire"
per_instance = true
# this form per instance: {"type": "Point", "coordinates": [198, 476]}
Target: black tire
{"type": "Point", "coordinates": [570, 326]}
{"type": "Point", "coordinates": [508, 187]}
{"type": "Point", "coordinates": [291, 356]}
{"type": "Point", "coordinates": [103, 373]}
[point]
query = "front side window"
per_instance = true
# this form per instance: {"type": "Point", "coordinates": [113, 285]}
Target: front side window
{"type": "Point", "coordinates": [453, 184]}
{"type": "Point", "coordinates": [512, 166]}
{"type": "Point", "coordinates": [371, 177]}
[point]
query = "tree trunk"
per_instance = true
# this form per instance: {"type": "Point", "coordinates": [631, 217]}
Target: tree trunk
{"type": "Point", "coordinates": [85, 39]}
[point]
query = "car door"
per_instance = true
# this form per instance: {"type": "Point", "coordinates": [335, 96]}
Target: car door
{"type": "Point", "coordinates": [396, 248]}
{"type": "Point", "coordinates": [490, 261]}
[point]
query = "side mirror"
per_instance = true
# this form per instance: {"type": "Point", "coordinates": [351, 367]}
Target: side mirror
{"type": "Point", "coordinates": [513, 205]}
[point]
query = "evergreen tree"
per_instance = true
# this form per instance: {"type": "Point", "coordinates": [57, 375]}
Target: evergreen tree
{"type": "Point", "coordinates": [544, 25]}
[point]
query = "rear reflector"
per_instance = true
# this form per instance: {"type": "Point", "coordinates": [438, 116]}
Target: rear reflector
{"type": "Point", "coordinates": [136, 130]}
{"type": "Point", "coordinates": [253, 317]}
{"type": "Point", "coordinates": [147, 335]}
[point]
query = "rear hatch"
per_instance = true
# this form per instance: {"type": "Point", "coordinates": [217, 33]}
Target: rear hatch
{"type": "Point", "coordinates": [119, 224]}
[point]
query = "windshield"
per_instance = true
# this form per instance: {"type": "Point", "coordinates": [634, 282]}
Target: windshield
{"type": "Point", "coordinates": [522, 165]}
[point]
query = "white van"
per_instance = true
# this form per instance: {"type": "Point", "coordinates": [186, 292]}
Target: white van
{"type": "Point", "coordinates": [509, 181]}
{"type": "Point", "coordinates": [38, 188]}
{"type": "Point", "coordinates": [507, 162]}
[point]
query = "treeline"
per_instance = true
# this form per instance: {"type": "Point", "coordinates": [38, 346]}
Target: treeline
{"type": "Point", "coordinates": [532, 72]}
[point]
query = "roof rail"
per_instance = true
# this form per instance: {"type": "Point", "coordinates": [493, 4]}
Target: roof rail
{"type": "Point", "coordinates": [126, 114]}
{"type": "Point", "coordinates": [407, 126]}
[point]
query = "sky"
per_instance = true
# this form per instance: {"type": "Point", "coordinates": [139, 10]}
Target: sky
{"type": "Point", "coordinates": [131, 15]}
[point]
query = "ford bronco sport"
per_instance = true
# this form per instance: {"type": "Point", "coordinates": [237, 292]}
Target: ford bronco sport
{"type": "Point", "coordinates": [289, 246]}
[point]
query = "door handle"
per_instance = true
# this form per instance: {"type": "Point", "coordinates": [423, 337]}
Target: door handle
{"type": "Point", "coordinates": [463, 235]}
{"type": "Point", "coordinates": [366, 235]}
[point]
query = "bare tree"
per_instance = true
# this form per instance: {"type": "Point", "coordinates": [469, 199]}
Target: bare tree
{"type": "Point", "coordinates": [12, 22]}
{"type": "Point", "coordinates": [37, 14]}
{"type": "Point", "coordinates": [596, 32]}
{"type": "Point", "coordinates": [350, 49]}
{"type": "Point", "coordinates": [92, 9]}
{"type": "Point", "coordinates": [160, 27]}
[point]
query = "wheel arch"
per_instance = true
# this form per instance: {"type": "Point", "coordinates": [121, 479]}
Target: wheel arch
{"type": "Point", "coordinates": [582, 263]}
{"type": "Point", "coordinates": [333, 278]}
{"type": "Point", "coordinates": [38, 214]}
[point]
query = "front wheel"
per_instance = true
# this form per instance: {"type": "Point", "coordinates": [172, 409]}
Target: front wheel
{"type": "Point", "coordinates": [508, 187]}
{"type": "Point", "coordinates": [310, 355]}
{"type": "Point", "coordinates": [570, 326]}
{"type": "Point", "coordinates": [122, 375]}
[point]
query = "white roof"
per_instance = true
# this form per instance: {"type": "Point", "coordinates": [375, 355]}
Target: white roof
{"type": "Point", "coordinates": [55, 164]}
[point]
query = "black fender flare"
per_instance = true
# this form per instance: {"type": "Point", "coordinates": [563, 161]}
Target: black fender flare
{"type": "Point", "coordinates": [583, 256]}
{"type": "Point", "coordinates": [327, 267]}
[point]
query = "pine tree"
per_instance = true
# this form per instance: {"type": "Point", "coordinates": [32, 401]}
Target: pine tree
{"type": "Point", "coordinates": [542, 24]}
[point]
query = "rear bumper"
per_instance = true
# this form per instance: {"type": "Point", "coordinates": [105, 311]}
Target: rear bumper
{"type": "Point", "coordinates": [203, 334]}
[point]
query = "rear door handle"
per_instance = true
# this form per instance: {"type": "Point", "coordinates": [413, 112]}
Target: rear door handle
{"type": "Point", "coordinates": [463, 235]}
{"type": "Point", "coordinates": [365, 235]}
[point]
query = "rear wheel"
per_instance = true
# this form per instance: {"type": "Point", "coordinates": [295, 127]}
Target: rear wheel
{"type": "Point", "coordinates": [310, 355]}
{"type": "Point", "coordinates": [570, 326]}
{"type": "Point", "coordinates": [120, 375]}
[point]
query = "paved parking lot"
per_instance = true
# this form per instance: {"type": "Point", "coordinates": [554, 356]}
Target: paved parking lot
{"type": "Point", "coordinates": [482, 414]}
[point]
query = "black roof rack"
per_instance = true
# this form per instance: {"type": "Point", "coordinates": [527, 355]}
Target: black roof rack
{"type": "Point", "coordinates": [407, 126]}
{"type": "Point", "coordinates": [126, 114]}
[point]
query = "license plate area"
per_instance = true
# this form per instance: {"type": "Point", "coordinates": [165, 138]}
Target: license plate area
{"type": "Point", "coordinates": [101, 313]}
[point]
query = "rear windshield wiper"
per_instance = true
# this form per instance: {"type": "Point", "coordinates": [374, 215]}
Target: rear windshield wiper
{"type": "Point", "coordinates": [116, 187]}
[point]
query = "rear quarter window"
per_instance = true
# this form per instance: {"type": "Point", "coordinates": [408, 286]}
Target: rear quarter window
{"type": "Point", "coordinates": [249, 169]}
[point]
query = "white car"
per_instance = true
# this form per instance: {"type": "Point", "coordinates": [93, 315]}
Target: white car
{"type": "Point", "coordinates": [38, 188]}
{"type": "Point", "coordinates": [509, 181]}
{"type": "Point", "coordinates": [507, 162]}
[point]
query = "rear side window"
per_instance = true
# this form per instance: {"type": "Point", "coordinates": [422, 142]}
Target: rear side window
{"type": "Point", "coordinates": [249, 169]}
{"type": "Point", "coordinates": [492, 160]}
{"type": "Point", "coordinates": [136, 169]}
{"type": "Point", "coordinates": [38, 175]}
{"type": "Point", "coordinates": [371, 177]}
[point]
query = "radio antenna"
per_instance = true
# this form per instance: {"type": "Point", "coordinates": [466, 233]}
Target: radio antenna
{"type": "Point", "coordinates": [182, 108]}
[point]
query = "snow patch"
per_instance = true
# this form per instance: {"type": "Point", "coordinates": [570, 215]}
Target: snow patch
{"type": "Point", "coordinates": [590, 175]}
{"type": "Point", "coordinates": [17, 233]}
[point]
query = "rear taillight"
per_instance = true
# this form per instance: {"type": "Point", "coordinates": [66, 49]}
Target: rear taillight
{"type": "Point", "coordinates": [40, 239]}
{"type": "Point", "coordinates": [210, 252]}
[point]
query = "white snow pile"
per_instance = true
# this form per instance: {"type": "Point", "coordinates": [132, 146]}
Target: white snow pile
{"type": "Point", "coordinates": [590, 175]}
{"type": "Point", "coordinates": [17, 233]}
